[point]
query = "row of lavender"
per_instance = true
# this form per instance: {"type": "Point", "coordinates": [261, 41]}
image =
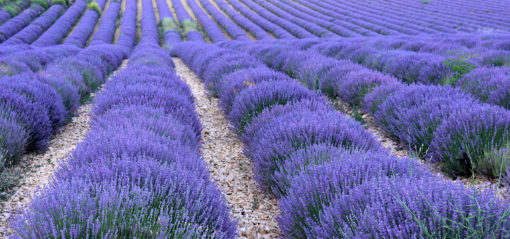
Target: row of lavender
{"type": "Point", "coordinates": [464, 16]}
{"type": "Point", "coordinates": [172, 30]}
{"type": "Point", "coordinates": [380, 18]}
{"type": "Point", "coordinates": [169, 28]}
{"type": "Point", "coordinates": [441, 123]}
{"type": "Point", "coordinates": [20, 21]}
{"type": "Point", "coordinates": [237, 33]}
{"type": "Point", "coordinates": [471, 46]}
{"type": "Point", "coordinates": [11, 9]}
{"type": "Point", "coordinates": [333, 179]}
{"type": "Point", "coordinates": [209, 26]}
{"type": "Point", "coordinates": [308, 19]}
{"type": "Point", "coordinates": [223, 21]}
{"type": "Point", "coordinates": [148, 168]}
{"type": "Point", "coordinates": [23, 57]}
{"type": "Point", "coordinates": [86, 25]}
{"type": "Point", "coordinates": [478, 64]}
{"type": "Point", "coordinates": [244, 22]}
{"type": "Point", "coordinates": [485, 151]}
{"type": "Point", "coordinates": [188, 27]}
{"type": "Point", "coordinates": [55, 34]}
{"type": "Point", "coordinates": [35, 105]}
{"type": "Point", "coordinates": [210, 19]}
{"type": "Point", "coordinates": [31, 32]}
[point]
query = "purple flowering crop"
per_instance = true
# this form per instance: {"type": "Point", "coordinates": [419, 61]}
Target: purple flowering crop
{"type": "Point", "coordinates": [148, 168]}
{"type": "Point", "coordinates": [54, 34]}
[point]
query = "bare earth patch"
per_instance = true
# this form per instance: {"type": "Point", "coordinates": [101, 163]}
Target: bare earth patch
{"type": "Point", "coordinates": [232, 171]}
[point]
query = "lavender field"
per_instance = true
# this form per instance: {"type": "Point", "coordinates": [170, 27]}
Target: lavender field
{"type": "Point", "coordinates": [254, 119]}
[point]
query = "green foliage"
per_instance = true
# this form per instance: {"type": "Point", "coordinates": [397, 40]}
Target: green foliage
{"type": "Point", "coordinates": [458, 67]}
{"type": "Point", "coordinates": [424, 1]}
{"type": "Point", "coordinates": [10, 178]}
{"type": "Point", "coordinates": [60, 2]}
{"type": "Point", "coordinates": [12, 6]}
{"type": "Point", "coordinates": [95, 7]}
{"type": "Point", "coordinates": [188, 26]}
{"type": "Point", "coordinates": [168, 24]}
{"type": "Point", "coordinates": [11, 9]}
{"type": "Point", "coordinates": [354, 112]}
{"type": "Point", "coordinates": [470, 219]}
{"type": "Point", "coordinates": [338, 106]}
{"type": "Point", "coordinates": [356, 115]}
{"type": "Point", "coordinates": [495, 162]}
{"type": "Point", "coordinates": [42, 3]}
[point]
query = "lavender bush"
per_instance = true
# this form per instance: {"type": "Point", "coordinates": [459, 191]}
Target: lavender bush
{"type": "Point", "coordinates": [317, 187]}
{"type": "Point", "coordinates": [462, 142]}
{"type": "Point", "coordinates": [413, 113]}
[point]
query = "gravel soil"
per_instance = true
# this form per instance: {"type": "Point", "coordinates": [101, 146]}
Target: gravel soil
{"type": "Point", "coordinates": [232, 171]}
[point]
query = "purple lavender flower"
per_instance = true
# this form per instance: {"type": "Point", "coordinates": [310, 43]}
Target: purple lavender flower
{"type": "Point", "coordinates": [461, 143]}
{"type": "Point", "coordinates": [413, 207]}
{"type": "Point", "coordinates": [318, 185]}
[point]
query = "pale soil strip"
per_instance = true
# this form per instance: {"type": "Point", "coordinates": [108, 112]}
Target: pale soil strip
{"type": "Point", "coordinates": [212, 19]}
{"type": "Point", "coordinates": [158, 19]}
{"type": "Point", "coordinates": [398, 149]}
{"type": "Point", "coordinates": [121, 15]}
{"type": "Point", "coordinates": [156, 10]}
{"type": "Point", "coordinates": [251, 36]}
{"type": "Point", "coordinates": [41, 167]}
{"type": "Point", "coordinates": [222, 151]}
{"type": "Point", "coordinates": [138, 21]}
{"type": "Point", "coordinates": [194, 18]}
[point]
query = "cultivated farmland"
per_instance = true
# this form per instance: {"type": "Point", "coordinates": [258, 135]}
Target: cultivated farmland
{"type": "Point", "coordinates": [254, 119]}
